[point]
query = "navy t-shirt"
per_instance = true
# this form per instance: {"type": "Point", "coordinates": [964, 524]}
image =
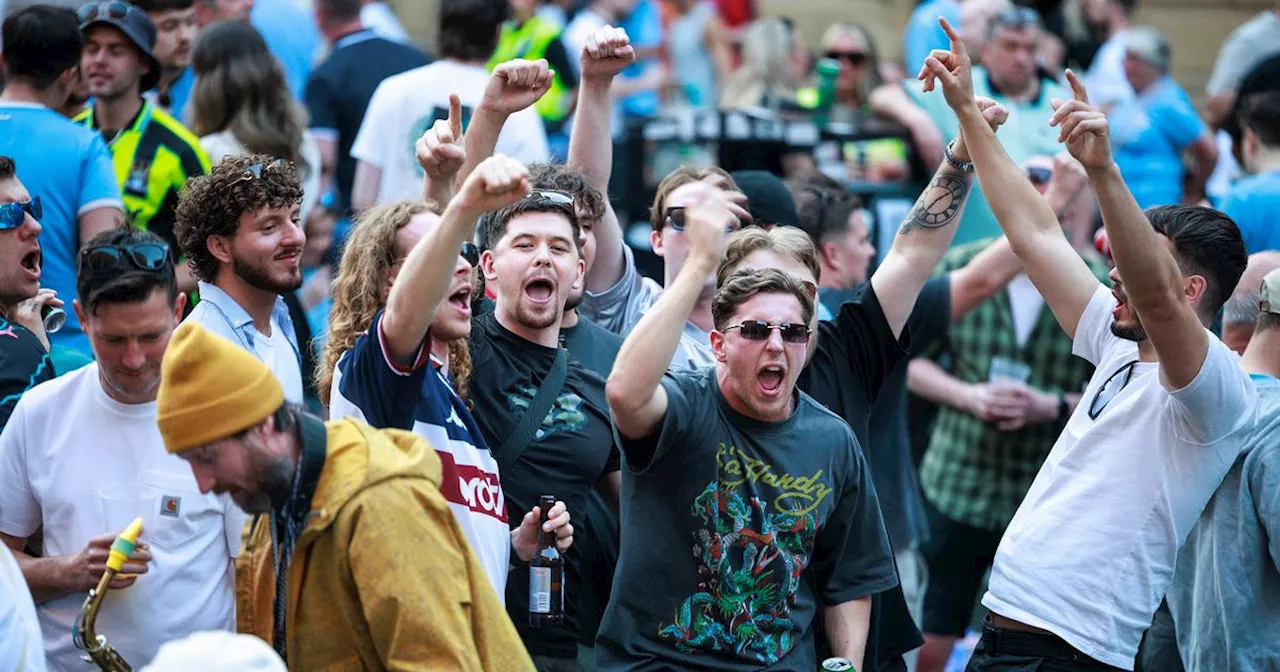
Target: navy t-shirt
{"type": "Point", "coordinates": [24, 363]}
{"type": "Point", "coordinates": [338, 92]}
{"type": "Point", "coordinates": [736, 532]}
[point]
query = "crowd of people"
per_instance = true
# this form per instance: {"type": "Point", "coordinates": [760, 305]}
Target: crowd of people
{"type": "Point", "coordinates": [363, 338]}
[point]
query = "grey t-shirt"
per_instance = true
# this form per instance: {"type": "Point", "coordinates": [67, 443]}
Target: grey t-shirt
{"type": "Point", "coordinates": [1244, 49]}
{"type": "Point", "coordinates": [620, 307]}
{"type": "Point", "coordinates": [735, 532]}
{"type": "Point", "coordinates": [1225, 596]}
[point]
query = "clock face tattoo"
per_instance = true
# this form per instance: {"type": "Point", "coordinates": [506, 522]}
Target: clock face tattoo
{"type": "Point", "coordinates": [939, 204]}
{"type": "Point", "coordinates": [945, 197]}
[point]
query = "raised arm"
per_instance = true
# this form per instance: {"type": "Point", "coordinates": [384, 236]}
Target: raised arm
{"type": "Point", "coordinates": [983, 277]}
{"type": "Point", "coordinates": [1153, 283]}
{"type": "Point", "coordinates": [607, 52]}
{"type": "Point", "coordinates": [512, 87]}
{"type": "Point", "coordinates": [425, 277]}
{"type": "Point", "coordinates": [634, 389]}
{"type": "Point", "coordinates": [441, 156]}
{"type": "Point", "coordinates": [1064, 280]}
{"type": "Point", "coordinates": [927, 231]}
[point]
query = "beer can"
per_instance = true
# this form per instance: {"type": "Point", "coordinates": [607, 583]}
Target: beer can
{"type": "Point", "coordinates": [838, 665]}
{"type": "Point", "coordinates": [54, 317]}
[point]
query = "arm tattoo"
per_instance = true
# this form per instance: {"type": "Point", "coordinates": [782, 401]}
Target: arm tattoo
{"type": "Point", "coordinates": [938, 205]}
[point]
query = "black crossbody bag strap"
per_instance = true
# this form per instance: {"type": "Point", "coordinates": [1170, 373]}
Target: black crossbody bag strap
{"type": "Point", "coordinates": [522, 435]}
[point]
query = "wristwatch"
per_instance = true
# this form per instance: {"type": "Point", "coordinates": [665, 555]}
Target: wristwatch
{"type": "Point", "coordinates": [949, 155]}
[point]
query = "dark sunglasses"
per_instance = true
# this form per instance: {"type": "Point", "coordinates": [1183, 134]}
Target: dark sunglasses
{"type": "Point", "coordinates": [759, 330]}
{"type": "Point", "coordinates": [256, 170]}
{"type": "Point", "coordinates": [103, 10]}
{"type": "Point", "coordinates": [12, 215]}
{"type": "Point", "coordinates": [1110, 389]}
{"type": "Point", "coordinates": [675, 219]}
{"type": "Point", "coordinates": [1039, 176]}
{"type": "Point", "coordinates": [146, 256]}
{"type": "Point", "coordinates": [469, 253]}
{"type": "Point", "coordinates": [1017, 17]}
{"type": "Point", "coordinates": [854, 58]}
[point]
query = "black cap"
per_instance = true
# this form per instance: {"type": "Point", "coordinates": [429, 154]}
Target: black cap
{"type": "Point", "coordinates": [133, 22]}
{"type": "Point", "coordinates": [768, 199]}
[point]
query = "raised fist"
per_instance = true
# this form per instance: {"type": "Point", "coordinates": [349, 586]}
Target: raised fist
{"type": "Point", "coordinates": [607, 52]}
{"type": "Point", "coordinates": [516, 84]}
{"type": "Point", "coordinates": [497, 182]}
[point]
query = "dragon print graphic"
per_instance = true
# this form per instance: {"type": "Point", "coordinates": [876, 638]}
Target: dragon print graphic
{"type": "Point", "coordinates": [751, 552]}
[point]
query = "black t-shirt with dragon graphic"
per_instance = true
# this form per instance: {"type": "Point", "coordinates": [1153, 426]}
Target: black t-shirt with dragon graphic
{"type": "Point", "coordinates": [736, 532]}
{"type": "Point", "coordinates": [571, 452]}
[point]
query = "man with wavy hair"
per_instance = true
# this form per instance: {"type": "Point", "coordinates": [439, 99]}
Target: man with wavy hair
{"type": "Point", "coordinates": [238, 227]}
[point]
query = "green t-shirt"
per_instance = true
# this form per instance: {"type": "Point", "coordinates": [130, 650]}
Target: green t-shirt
{"type": "Point", "coordinates": [1027, 133]}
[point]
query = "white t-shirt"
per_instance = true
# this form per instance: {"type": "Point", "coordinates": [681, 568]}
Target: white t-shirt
{"type": "Point", "coordinates": [1091, 550]}
{"type": "Point", "coordinates": [1025, 303]}
{"type": "Point", "coordinates": [405, 105]}
{"type": "Point", "coordinates": [21, 644]}
{"type": "Point", "coordinates": [1105, 79]}
{"type": "Point", "coordinates": [277, 353]}
{"type": "Point", "coordinates": [66, 441]}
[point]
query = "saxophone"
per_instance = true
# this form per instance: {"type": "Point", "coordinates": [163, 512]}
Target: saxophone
{"type": "Point", "coordinates": [85, 636]}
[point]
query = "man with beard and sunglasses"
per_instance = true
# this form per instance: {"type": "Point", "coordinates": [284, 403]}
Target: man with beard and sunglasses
{"type": "Point", "coordinates": [74, 439]}
{"type": "Point", "coordinates": [1092, 547]}
{"type": "Point", "coordinates": [238, 227]}
{"type": "Point", "coordinates": [770, 487]}
{"type": "Point", "coordinates": [24, 346]}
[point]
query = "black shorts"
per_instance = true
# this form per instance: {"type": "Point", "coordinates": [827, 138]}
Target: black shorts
{"type": "Point", "coordinates": [958, 556]}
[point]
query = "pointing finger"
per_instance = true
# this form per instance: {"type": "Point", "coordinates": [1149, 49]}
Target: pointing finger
{"type": "Point", "coordinates": [1077, 87]}
{"type": "Point", "coordinates": [455, 115]}
{"type": "Point", "coordinates": [957, 45]}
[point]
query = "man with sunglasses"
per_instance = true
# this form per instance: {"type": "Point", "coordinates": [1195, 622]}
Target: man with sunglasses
{"type": "Point", "coordinates": [1009, 74]}
{"type": "Point", "coordinates": [238, 227]}
{"type": "Point", "coordinates": [24, 346]}
{"type": "Point", "coordinates": [1092, 548]}
{"type": "Point", "coordinates": [67, 166]}
{"type": "Point", "coordinates": [95, 428]}
{"type": "Point", "coordinates": [153, 152]}
{"type": "Point", "coordinates": [770, 488]}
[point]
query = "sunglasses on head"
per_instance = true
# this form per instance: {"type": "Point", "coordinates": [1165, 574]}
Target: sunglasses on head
{"type": "Point", "coordinates": [1039, 176]}
{"type": "Point", "coordinates": [854, 58]}
{"type": "Point", "coordinates": [103, 10]}
{"type": "Point", "coordinates": [146, 256]}
{"type": "Point", "coordinates": [557, 197]}
{"type": "Point", "coordinates": [759, 330]}
{"type": "Point", "coordinates": [1017, 17]}
{"type": "Point", "coordinates": [256, 170]}
{"type": "Point", "coordinates": [675, 219]}
{"type": "Point", "coordinates": [12, 215]}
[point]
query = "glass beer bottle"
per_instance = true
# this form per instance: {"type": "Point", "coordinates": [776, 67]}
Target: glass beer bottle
{"type": "Point", "coordinates": [546, 575]}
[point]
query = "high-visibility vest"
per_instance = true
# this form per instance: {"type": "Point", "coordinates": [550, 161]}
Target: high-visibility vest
{"type": "Point", "coordinates": [530, 41]}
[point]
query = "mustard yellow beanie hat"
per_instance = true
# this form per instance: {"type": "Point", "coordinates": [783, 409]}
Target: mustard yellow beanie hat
{"type": "Point", "coordinates": [210, 389]}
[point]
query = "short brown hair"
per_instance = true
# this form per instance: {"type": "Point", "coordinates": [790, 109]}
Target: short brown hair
{"type": "Point", "coordinates": [493, 226]}
{"type": "Point", "coordinates": [559, 177]}
{"type": "Point", "coordinates": [786, 240]}
{"type": "Point", "coordinates": [211, 205]}
{"type": "Point", "coordinates": [744, 284]}
{"type": "Point", "coordinates": [680, 177]}
{"type": "Point", "coordinates": [8, 169]}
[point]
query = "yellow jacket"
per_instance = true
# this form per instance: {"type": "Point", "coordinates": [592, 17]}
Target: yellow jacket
{"type": "Point", "coordinates": [382, 577]}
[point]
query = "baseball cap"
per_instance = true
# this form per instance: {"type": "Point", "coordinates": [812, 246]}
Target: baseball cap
{"type": "Point", "coordinates": [133, 22]}
{"type": "Point", "coordinates": [768, 199]}
{"type": "Point", "coordinates": [1150, 45]}
{"type": "Point", "coordinates": [1269, 293]}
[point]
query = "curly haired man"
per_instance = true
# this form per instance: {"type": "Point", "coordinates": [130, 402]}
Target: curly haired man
{"type": "Point", "coordinates": [238, 227]}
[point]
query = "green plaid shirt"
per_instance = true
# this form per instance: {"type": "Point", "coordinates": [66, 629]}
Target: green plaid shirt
{"type": "Point", "coordinates": [972, 472]}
